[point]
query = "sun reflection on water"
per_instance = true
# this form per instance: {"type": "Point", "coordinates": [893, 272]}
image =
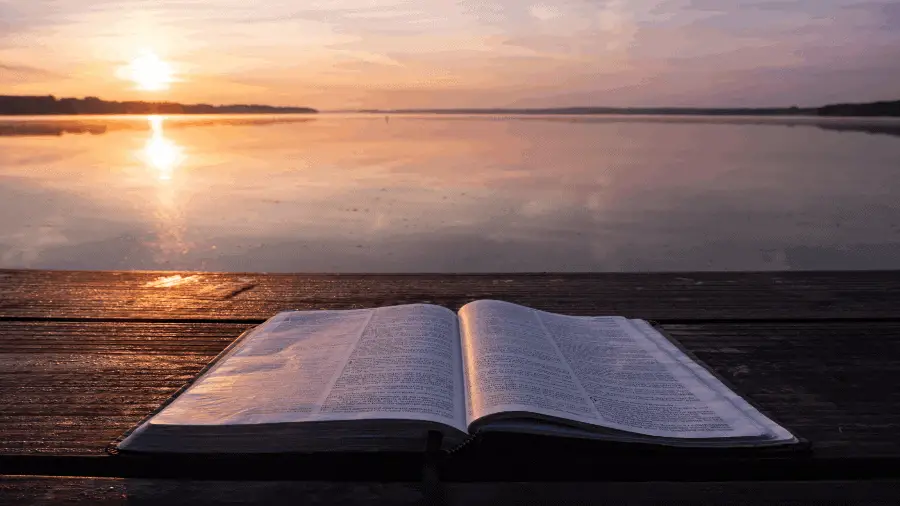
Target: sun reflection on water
{"type": "Point", "coordinates": [163, 157]}
{"type": "Point", "coordinates": [160, 153]}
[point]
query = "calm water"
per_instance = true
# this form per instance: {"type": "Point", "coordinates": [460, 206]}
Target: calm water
{"type": "Point", "coordinates": [413, 194]}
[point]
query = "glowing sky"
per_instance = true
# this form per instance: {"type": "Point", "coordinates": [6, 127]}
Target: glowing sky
{"type": "Point", "coordinates": [336, 54]}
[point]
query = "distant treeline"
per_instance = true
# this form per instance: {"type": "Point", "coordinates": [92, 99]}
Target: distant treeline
{"type": "Point", "coordinates": [615, 110]}
{"type": "Point", "coordinates": [869, 109]}
{"type": "Point", "coordinates": [100, 126]}
{"type": "Point", "coordinates": [41, 105]}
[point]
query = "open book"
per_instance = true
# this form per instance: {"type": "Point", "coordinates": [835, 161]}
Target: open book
{"type": "Point", "coordinates": [379, 379]}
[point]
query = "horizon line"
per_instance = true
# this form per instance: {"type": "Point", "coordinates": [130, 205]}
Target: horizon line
{"type": "Point", "coordinates": [467, 108]}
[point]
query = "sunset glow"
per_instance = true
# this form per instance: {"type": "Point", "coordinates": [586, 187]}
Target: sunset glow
{"type": "Point", "coordinates": [348, 54]}
{"type": "Point", "coordinates": [149, 72]}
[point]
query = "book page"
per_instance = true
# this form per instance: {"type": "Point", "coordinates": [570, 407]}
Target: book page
{"type": "Point", "coordinates": [601, 371]}
{"type": "Point", "coordinates": [776, 431]}
{"type": "Point", "coordinates": [407, 364]}
{"type": "Point", "coordinates": [639, 387]}
{"type": "Point", "coordinates": [399, 362]}
{"type": "Point", "coordinates": [512, 365]}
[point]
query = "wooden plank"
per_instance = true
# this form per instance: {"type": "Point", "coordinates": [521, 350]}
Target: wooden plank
{"type": "Point", "coordinates": [51, 491]}
{"type": "Point", "coordinates": [252, 297]}
{"type": "Point", "coordinates": [731, 493]}
{"type": "Point", "coordinates": [71, 387]}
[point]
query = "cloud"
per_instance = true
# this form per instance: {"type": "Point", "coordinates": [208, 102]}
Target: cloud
{"type": "Point", "coordinates": [17, 74]}
{"type": "Point", "coordinates": [544, 12]}
{"type": "Point", "coordinates": [628, 52]}
{"type": "Point", "coordinates": [616, 24]}
{"type": "Point", "coordinates": [24, 69]}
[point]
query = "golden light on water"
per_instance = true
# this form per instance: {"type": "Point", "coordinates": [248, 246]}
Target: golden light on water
{"type": "Point", "coordinates": [149, 72]}
{"type": "Point", "coordinates": [160, 153]}
{"type": "Point", "coordinates": [162, 157]}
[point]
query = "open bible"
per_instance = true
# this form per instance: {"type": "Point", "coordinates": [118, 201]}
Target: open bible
{"type": "Point", "coordinates": [380, 379]}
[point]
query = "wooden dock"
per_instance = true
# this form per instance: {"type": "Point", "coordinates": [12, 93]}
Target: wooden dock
{"type": "Point", "coordinates": [85, 355]}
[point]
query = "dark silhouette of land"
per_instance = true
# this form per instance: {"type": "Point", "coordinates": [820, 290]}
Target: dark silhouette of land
{"type": "Point", "coordinates": [100, 126]}
{"type": "Point", "coordinates": [684, 111]}
{"type": "Point", "coordinates": [46, 105]}
{"type": "Point", "coordinates": [870, 109]}
{"type": "Point", "coordinates": [863, 109]}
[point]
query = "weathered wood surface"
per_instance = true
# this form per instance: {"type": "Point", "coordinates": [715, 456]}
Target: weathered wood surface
{"type": "Point", "coordinates": [71, 387]}
{"type": "Point", "coordinates": [44, 491]}
{"type": "Point", "coordinates": [85, 355]}
{"type": "Point", "coordinates": [693, 296]}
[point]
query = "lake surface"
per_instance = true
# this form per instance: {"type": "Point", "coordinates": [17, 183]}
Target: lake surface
{"type": "Point", "coordinates": [343, 193]}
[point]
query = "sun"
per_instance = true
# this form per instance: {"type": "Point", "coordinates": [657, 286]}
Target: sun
{"type": "Point", "coordinates": [149, 72]}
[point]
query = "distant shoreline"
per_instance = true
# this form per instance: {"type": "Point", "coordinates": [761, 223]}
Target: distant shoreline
{"type": "Point", "coordinates": [13, 105]}
{"type": "Point", "coordinates": [601, 111]}
{"type": "Point", "coordinates": [870, 109]}
{"type": "Point", "coordinates": [51, 106]}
